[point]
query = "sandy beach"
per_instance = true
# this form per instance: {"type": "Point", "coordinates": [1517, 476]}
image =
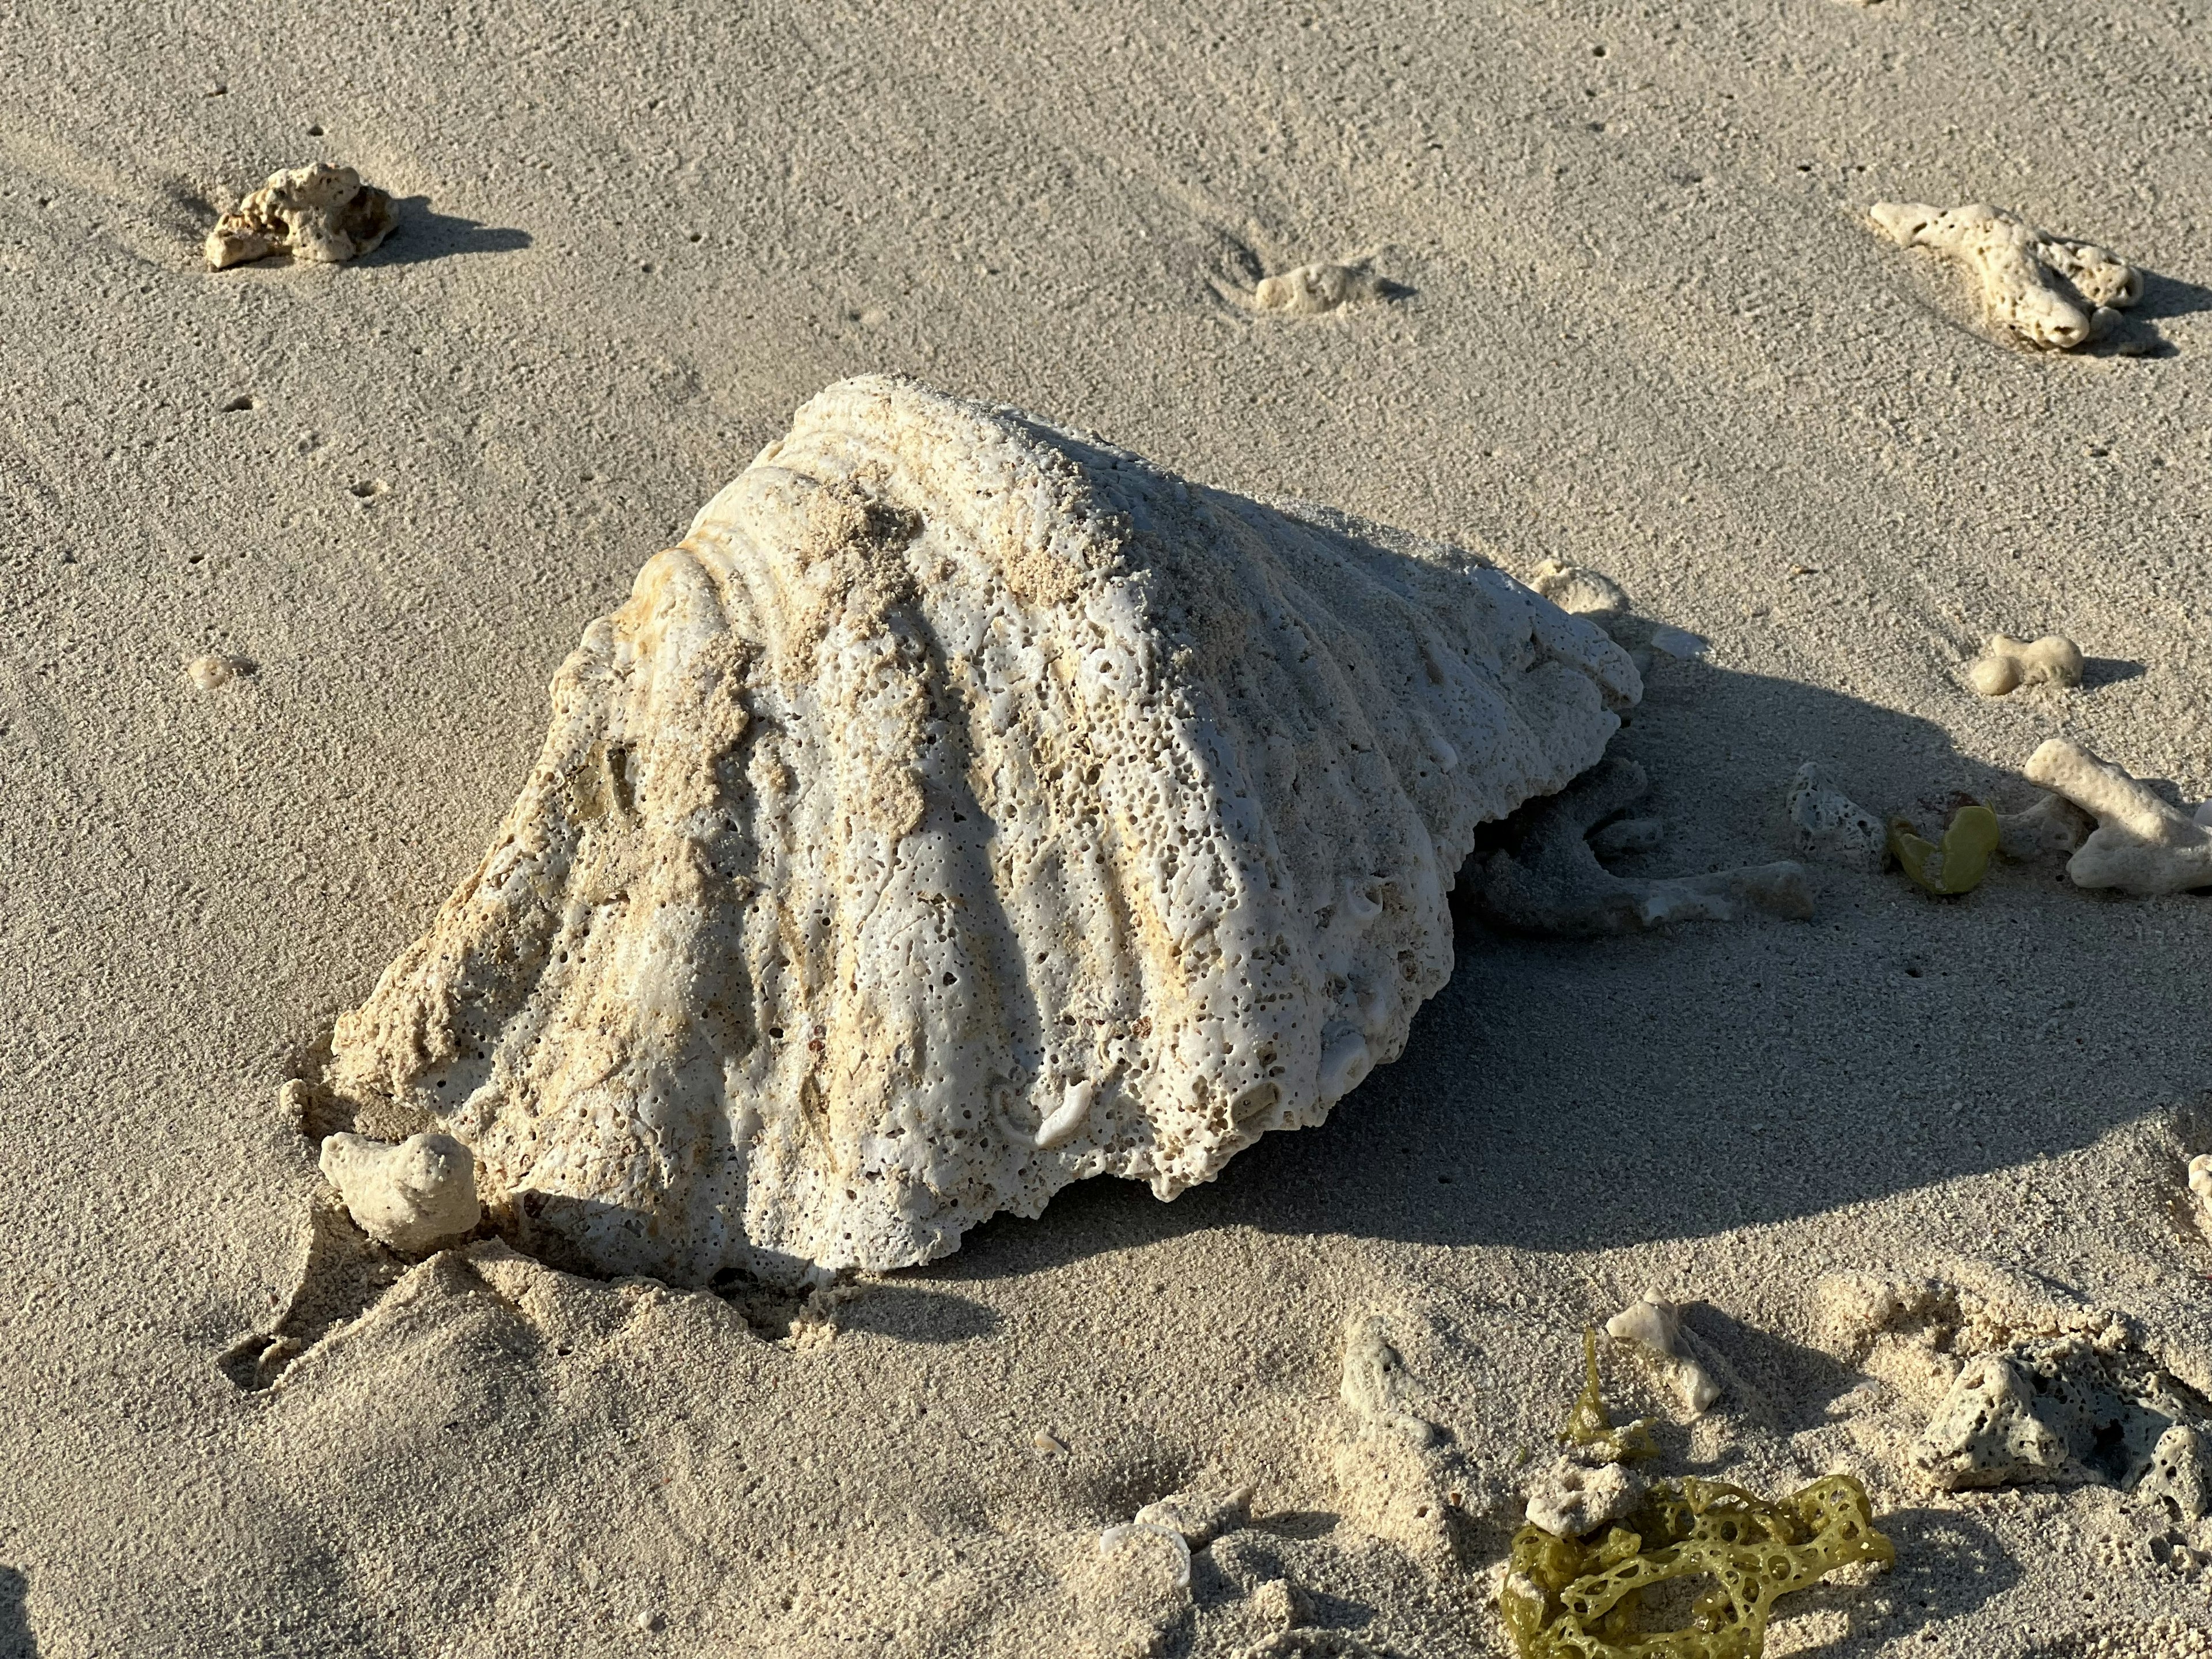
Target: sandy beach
{"type": "Point", "coordinates": [1630, 316]}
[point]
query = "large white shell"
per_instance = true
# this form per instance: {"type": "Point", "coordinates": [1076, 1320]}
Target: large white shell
{"type": "Point", "coordinates": [962, 809]}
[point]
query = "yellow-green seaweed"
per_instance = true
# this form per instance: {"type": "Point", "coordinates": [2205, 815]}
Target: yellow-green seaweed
{"type": "Point", "coordinates": [1959, 863]}
{"type": "Point", "coordinates": [1590, 1427]}
{"type": "Point", "coordinates": [1567, 1598]}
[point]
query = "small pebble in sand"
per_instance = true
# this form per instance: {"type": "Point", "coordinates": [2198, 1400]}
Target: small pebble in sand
{"type": "Point", "coordinates": [2200, 1181]}
{"type": "Point", "coordinates": [319, 212]}
{"type": "Point", "coordinates": [2141, 844]}
{"type": "Point", "coordinates": [1657, 1325]}
{"type": "Point", "coordinates": [414, 1196]}
{"type": "Point", "coordinates": [1826, 824]}
{"type": "Point", "coordinates": [1312, 289]}
{"type": "Point", "coordinates": [2042, 290]}
{"type": "Point", "coordinates": [1045, 1441]}
{"type": "Point", "coordinates": [218, 669]}
{"type": "Point", "coordinates": [2007, 664]}
{"type": "Point", "coordinates": [1678, 642]}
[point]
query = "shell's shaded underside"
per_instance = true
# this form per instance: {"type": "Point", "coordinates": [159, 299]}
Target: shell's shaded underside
{"type": "Point", "coordinates": [964, 808]}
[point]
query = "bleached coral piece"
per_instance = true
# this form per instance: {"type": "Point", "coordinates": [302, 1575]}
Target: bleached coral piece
{"type": "Point", "coordinates": [2007, 664]}
{"type": "Point", "coordinates": [1657, 1325]}
{"type": "Point", "coordinates": [964, 808]}
{"type": "Point", "coordinates": [2051, 826]}
{"type": "Point", "coordinates": [320, 212]}
{"type": "Point", "coordinates": [2141, 844]}
{"type": "Point", "coordinates": [2045, 289]}
{"type": "Point", "coordinates": [413, 1196]}
{"type": "Point", "coordinates": [1570, 1497]}
{"type": "Point", "coordinates": [2060, 1410]}
{"type": "Point", "coordinates": [1826, 824]}
{"type": "Point", "coordinates": [1326, 285]}
{"type": "Point", "coordinates": [2200, 1183]}
{"type": "Point", "coordinates": [1552, 882]}
{"type": "Point", "coordinates": [2179, 1475]}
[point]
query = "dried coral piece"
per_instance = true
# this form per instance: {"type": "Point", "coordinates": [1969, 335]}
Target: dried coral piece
{"type": "Point", "coordinates": [963, 809]}
{"type": "Point", "coordinates": [320, 212]}
{"type": "Point", "coordinates": [1324, 286]}
{"type": "Point", "coordinates": [2044, 289]}
{"type": "Point", "coordinates": [1564, 1599]}
{"type": "Point", "coordinates": [2007, 664]}
{"type": "Point", "coordinates": [1826, 824]}
{"type": "Point", "coordinates": [2141, 844]}
{"type": "Point", "coordinates": [2062, 1410]}
{"type": "Point", "coordinates": [1569, 1497]}
{"type": "Point", "coordinates": [1656, 1325]}
{"type": "Point", "coordinates": [1550, 882]}
{"type": "Point", "coordinates": [414, 1196]}
{"type": "Point", "coordinates": [2051, 826]}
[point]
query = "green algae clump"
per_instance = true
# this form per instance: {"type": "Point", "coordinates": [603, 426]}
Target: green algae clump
{"type": "Point", "coordinates": [1567, 1598]}
{"type": "Point", "coordinates": [1590, 1427]}
{"type": "Point", "coordinates": [1959, 863]}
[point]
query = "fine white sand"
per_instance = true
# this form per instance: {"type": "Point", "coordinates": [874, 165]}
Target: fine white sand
{"type": "Point", "coordinates": [1640, 323]}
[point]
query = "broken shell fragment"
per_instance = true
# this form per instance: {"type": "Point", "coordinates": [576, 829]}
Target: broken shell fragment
{"type": "Point", "coordinates": [320, 212]}
{"type": "Point", "coordinates": [964, 808]}
{"type": "Point", "coordinates": [414, 1196]}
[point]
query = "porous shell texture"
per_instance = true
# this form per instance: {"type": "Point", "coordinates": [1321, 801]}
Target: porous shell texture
{"type": "Point", "coordinates": [964, 808]}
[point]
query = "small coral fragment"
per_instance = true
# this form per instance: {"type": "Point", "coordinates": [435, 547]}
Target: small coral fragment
{"type": "Point", "coordinates": [2063, 1409]}
{"type": "Point", "coordinates": [2045, 289]}
{"type": "Point", "coordinates": [1958, 865]}
{"type": "Point", "coordinates": [1324, 286]}
{"type": "Point", "coordinates": [1826, 824]}
{"type": "Point", "coordinates": [413, 1196]}
{"type": "Point", "coordinates": [1569, 1497]}
{"type": "Point", "coordinates": [2200, 1181]}
{"type": "Point", "coordinates": [2141, 844]}
{"type": "Point", "coordinates": [2179, 1475]}
{"type": "Point", "coordinates": [2051, 826]}
{"type": "Point", "coordinates": [319, 212]}
{"type": "Point", "coordinates": [1564, 1599]}
{"type": "Point", "coordinates": [1657, 1325]}
{"type": "Point", "coordinates": [2007, 664]}
{"type": "Point", "coordinates": [1567, 1598]}
{"type": "Point", "coordinates": [1552, 882]}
